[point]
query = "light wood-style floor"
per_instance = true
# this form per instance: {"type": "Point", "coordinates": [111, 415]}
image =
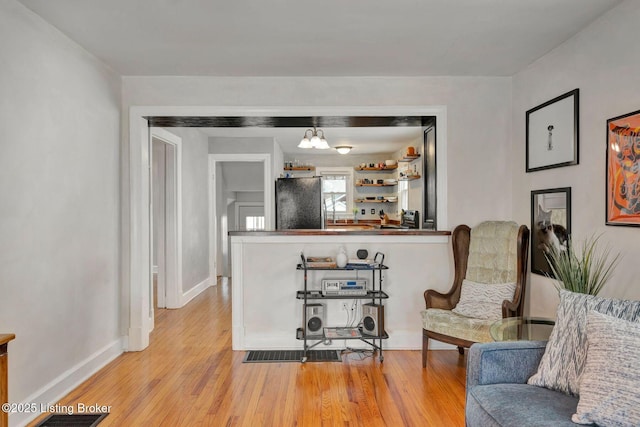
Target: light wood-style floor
{"type": "Point", "coordinates": [189, 376]}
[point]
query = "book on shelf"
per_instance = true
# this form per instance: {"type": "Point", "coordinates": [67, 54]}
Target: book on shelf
{"type": "Point", "coordinates": [345, 332]}
{"type": "Point", "coordinates": [321, 262]}
{"type": "Point", "coordinates": [361, 263]}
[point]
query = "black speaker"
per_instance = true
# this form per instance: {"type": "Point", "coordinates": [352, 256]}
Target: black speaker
{"type": "Point", "coordinates": [315, 319]}
{"type": "Point", "coordinates": [372, 319]}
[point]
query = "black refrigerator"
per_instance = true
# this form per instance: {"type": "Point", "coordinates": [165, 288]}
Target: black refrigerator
{"type": "Point", "coordinates": [299, 203]}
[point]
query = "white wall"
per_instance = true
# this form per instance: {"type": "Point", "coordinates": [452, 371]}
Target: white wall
{"type": "Point", "coordinates": [603, 61]}
{"type": "Point", "coordinates": [195, 206]}
{"type": "Point", "coordinates": [250, 196]}
{"type": "Point", "coordinates": [478, 114]}
{"type": "Point", "coordinates": [59, 210]}
{"type": "Point", "coordinates": [249, 145]}
{"type": "Point", "coordinates": [242, 176]}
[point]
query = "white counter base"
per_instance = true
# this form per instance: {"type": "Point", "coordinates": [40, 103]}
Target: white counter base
{"type": "Point", "coordinates": [266, 313]}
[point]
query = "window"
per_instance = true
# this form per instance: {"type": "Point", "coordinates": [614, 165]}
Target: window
{"type": "Point", "coordinates": [254, 223]}
{"type": "Point", "coordinates": [336, 190]}
{"type": "Point", "coordinates": [403, 195]}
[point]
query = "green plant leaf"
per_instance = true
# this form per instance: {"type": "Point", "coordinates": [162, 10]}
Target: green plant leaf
{"type": "Point", "coordinates": [586, 271]}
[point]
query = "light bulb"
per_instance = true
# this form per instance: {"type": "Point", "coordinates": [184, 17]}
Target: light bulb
{"type": "Point", "coordinates": [305, 143]}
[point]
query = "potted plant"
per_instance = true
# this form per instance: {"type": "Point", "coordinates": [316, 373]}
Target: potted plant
{"type": "Point", "coordinates": [586, 270]}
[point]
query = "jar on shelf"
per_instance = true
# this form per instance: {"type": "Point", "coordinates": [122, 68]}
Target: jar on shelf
{"type": "Point", "coordinates": [341, 259]}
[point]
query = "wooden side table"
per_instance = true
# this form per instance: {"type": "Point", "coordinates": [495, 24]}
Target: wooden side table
{"type": "Point", "coordinates": [4, 378]}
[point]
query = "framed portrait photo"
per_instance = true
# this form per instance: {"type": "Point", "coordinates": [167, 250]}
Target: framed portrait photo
{"type": "Point", "coordinates": [550, 225]}
{"type": "Point", "coordinates": [623, 170]}
{"type": "Point", "coordinates": [553, 133]}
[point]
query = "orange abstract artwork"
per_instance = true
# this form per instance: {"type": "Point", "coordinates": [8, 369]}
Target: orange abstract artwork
{"type": "Point", "coordinates": [623, 170]}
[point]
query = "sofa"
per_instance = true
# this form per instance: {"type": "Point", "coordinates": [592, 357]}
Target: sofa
{"type": "Point", "coordinates": [498, 393]}
{"type": "Point", "coordinates": [586, 374]}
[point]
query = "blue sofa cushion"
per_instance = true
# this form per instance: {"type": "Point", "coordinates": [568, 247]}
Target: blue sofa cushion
{"type": "Point", "coordinates": [519, 405]}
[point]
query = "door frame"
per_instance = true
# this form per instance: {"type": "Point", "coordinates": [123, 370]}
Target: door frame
{"type": "Point", "coordinates": [135, 189]}
{"type": "Point", "coordinates": [268, 190]}
{"type": "Point", "coordinates": [173, 218]}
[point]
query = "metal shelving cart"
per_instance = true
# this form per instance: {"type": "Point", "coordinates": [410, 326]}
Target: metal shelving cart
{"type": "Point", "coordinates": [374, 294]}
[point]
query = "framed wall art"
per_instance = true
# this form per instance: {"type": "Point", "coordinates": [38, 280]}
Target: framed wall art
{"type": "Point", "coordinates": [553, 133]}
{"type": "Point", "coordinates": [623, 170]}
{"type": "Point", "coordinates": [550, 225]}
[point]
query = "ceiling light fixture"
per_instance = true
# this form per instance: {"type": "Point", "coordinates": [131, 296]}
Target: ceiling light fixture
{"type": "Point", "coordinates": [316, 141]}
{"type": "Point", "coordinates": [343, 149]}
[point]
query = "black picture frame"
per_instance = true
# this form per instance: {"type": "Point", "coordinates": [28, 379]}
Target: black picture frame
{"type": "Point", "coordinates": [553, 133]}
{"type": "Point", "coordinates": [553, 204]}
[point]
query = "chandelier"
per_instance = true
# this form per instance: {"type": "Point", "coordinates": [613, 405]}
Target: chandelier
{"type": "Point", "coordinates": [316, 141]}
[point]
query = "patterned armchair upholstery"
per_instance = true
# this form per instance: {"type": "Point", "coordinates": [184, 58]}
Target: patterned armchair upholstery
{"type": "Point", "coordinates": [491, 253]}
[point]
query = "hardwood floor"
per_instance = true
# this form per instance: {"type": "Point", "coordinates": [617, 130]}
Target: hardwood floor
{"type": "Point", "coordinates": [190, 377]}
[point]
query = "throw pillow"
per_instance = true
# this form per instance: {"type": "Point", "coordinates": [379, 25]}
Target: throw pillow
{"type": "Point", "coordinates": [563, 359]}
{"type": "Point", "coordinates": [482, 300]}
{"type": "Point", "coordinates": [610, 380]}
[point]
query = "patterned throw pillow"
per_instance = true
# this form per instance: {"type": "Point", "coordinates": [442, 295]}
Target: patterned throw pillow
{"type": "Point", "coordinates": [610, 381]}
{"type": "Point", "coordinates": [483, 301]}
{"type": "Point", "coordinates": [563, 359]}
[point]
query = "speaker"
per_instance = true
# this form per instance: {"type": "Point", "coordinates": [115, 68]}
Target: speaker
{"type": "Point", "coordinates": [315, 319]}
{"type": "Point", "coordinates": [372, 319]}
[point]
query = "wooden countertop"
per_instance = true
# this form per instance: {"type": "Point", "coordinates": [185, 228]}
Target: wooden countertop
{"type": "Point", "coordinates": [5, 338]}
{"type": "Point", "coordinates": [345, 231]}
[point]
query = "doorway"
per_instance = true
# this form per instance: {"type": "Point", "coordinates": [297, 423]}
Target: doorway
{"type": "Point", "coordinates": [237, 182]}
{"type": "Point", "coordinates": [136, 249]}
{"type": "Point", "coordinates": [166, 235]}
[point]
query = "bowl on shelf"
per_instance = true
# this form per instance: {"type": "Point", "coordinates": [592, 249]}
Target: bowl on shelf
{"type": "Point", "coordinates": [390, 162]}
{"type": "Point", "coordinates": [390, 181]}
{"type": "Point", "coordinates": [370, 198]}
{"type": "Point", "coordinates": [392, 199]}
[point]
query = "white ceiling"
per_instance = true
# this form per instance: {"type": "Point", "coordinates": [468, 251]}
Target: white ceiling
{"type": "Point", "coordinates": [319, 38]}
{"type": "Point", "coordinates": [364, 140]}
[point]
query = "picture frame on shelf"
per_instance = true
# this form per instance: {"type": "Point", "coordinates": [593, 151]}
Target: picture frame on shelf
{"type": "Point", "coordinates": [623, 170]}
{"type": "Point", "coordinates": [552, 133]}
{"type": "Point", "coordinates": [550, 225]}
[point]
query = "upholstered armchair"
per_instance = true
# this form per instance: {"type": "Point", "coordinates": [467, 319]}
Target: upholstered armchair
{"type": "Point", "coordinates": [491, 261]}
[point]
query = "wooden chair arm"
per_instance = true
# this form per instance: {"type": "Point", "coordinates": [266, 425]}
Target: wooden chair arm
{"type": "Point", "coordinates": [509, 309]}
{"type": "Point", "coordinates": [460, 245]}
{"type": "Point", "coordinates": [435, 299]}
{"type": "Point", "coordinates": [515, 308]}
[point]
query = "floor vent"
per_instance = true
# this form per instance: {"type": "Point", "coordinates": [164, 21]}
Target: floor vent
{"type": "Point", "coordinates": [265, 356]}
{"type": "Point", "coordinates": [72, 420]}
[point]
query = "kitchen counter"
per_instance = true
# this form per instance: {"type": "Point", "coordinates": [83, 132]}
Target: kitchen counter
{"type": "Point", "coordinates": [266, 313]}
{"type": "Point", "coordinates": [346, 230]}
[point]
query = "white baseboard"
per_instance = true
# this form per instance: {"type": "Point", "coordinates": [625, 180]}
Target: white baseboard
{"type": "Point", "coordinates": [67, 381]}
{"type": "Point", "coordinates": [194, 292]}
{"type": "Point", "coordinates": [137, 340]}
